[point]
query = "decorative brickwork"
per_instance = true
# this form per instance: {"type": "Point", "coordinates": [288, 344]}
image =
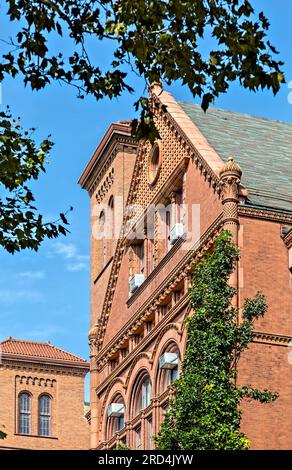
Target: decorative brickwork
{"type": "Point", "coordinates": [41, 369]}
{"type": "Point", "coordinates": [130, 331]}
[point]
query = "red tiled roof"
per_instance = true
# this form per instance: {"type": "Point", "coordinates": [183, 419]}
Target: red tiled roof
{"type": "Point", "coordinates": [37, 351]}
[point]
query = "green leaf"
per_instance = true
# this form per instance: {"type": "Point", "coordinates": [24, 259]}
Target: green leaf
{"type": "Point", "coordinates": [205, 413]}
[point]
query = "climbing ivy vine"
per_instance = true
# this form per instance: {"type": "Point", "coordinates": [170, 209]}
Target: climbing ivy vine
{"type": "Point", "coordinates": [205, 411]}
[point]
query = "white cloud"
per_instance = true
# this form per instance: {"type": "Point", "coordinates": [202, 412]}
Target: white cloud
{"type": "Point", "coordinates": [11, 296]}
{"type": "Point", "coordinates": [68, 250]}
{"type": "Point", "coordinates": [78, 266]}
{"type": "Point", "coordinates": [75, 261]}
{"type": "Point", "coordinates": [31, 275]}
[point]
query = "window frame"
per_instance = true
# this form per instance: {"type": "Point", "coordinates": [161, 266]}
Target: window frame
{"type": "Point", "coordinates": [143, 394]}
{"type": "Point", "coordinates": [24, 414]}
{"type": "Point", "coordinates": [149, 433]}
{"type": "Point", "coordinates": [166, 377]}
{"type": "Point", "coordinates": [111, 208]}
{"type": "Point", "coordinates": [45, 414]}
{"type": "Point", "coordinates": [138, 437]}
{"type": "Point", "coordinates": [115, 424]}
{"type": "Point", "coordinates": [101, 222]}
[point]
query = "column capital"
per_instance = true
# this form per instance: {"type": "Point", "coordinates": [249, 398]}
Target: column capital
{"type": "Point", "coordinates": [230, 176]}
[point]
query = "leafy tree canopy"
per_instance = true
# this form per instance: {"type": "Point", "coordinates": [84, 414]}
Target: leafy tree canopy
{"type": "Point", "coordinates": [205, 412]}
{"type": "Point", "coordinates": [21, 161]}
{"type": "Point", "coordinates": [161, 40]}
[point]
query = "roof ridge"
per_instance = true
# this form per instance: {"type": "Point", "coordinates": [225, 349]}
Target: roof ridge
{"type": "Point", "coordinates": [26, 341]}
{"type": "Point", "coordinates": [42, 343]}
{"type": "Point", "coordinates": [254, 116]}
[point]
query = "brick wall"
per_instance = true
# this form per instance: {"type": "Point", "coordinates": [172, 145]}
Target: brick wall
{"type": "Point", "coordinates": [70, 430]}
{"type": "Point", "coordinates": [122, 168]}
{"type": "Point", "coordinates": [264, 266]}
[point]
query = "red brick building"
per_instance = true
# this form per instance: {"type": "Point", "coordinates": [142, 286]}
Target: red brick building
{"type": "Point", "coordinates": [140, 279]}
{"type": "Point", "coordinates": [42, 397]}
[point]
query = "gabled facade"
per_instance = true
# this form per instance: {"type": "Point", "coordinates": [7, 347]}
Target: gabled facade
{"type": "Point", "coordinates": [42, 397]}
{"type": "Point", "coordinates": [207, 172]}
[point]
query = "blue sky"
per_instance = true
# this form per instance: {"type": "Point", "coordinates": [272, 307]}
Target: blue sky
{"type": "Point", "coordinates": [45, 295]}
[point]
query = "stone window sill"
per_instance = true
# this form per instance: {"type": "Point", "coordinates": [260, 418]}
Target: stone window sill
{"type": "Point", "coordinates": [36, 435]}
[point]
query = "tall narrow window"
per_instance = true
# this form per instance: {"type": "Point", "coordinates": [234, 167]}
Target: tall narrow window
{"type": "Point", "coordinates": [144, 394]}
{"type": "Point", "coordinates": [171, 375]}
{"type": "Point", "coordinates": [169, 363]}
{"type": "Point", "coordinates": [167, 230]}
{"type": "Point", "coordinates": [141, 258]}
{"type": "Point", "coordinates": [179, 211]}
{"type": "Point", "coordinates": [103, 239]}
{"type": "Point", "coordinates": [138, 434]}
{"type": "Point", "coordinates": [112, 226]}
{"type": "Point", "coordinates": [150, 255]}
{"type": "Point", "coordinates": [176, 227]}
{"type": "Point", "coordinates": [24, 413]}
{"type": "Point", "coordinates": [44, 415]}
{"type": "Point", "coordinates": [149, 433]}
{"type": "Point", "coordinates": [116, 416]}
{"type": "Point", "coordinates": [119, 424]}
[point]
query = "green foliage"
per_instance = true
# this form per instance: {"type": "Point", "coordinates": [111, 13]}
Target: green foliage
{"type": "Point", "coordinates": [21, 160]}
{"type": "Point", "coordinates": [3, 435]}
{"type": "Point", "coordinates": [157, 40]}
{"type": "Point", "coordinates": [205, 412]}
{"type": "Point", "coordinates": [121, 446]}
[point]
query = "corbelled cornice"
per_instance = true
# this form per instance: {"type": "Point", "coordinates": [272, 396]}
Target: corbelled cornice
{"type": "Point", "coordinates": [272, 339]}
{"type": "Point", "coordinates": [257, 212]}
{"type": "Point", "coordinates": [16, 365]}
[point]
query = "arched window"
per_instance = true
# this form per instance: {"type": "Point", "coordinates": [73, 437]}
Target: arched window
{"type": "Point", "coordinates": [103, 239]}
{"type": "Point", "coordinates": [44, 415]}
{"type": "Point", "coordinates": [169, 363]}
{"type": "Point", "coordinates": [112, 225]}
{"type": "Point", "coordinates": [24, 413]}
{"type": "Point", "coordinates": [143, 396]}
{"type": "Point", "coordinates": [116, 416]}
{"type": "Point", "coordinates": [102, 218]}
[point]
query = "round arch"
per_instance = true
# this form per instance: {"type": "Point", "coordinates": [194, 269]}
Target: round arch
{"type": "Point", "coordinates": [142, 360]}
{"type": "Point", "coordinates": [113, 424]}
{"type": "Point", "coordinates": [115, 388]}
{"type": "Point", "coordinates": [140, 393]}
{"type": "Point", "coordinates": [169, 338]}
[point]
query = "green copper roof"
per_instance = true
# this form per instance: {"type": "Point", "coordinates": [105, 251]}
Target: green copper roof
{"type": "Point", "coordinates": [262, 147]}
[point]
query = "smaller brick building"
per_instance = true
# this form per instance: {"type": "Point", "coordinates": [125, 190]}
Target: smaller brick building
{"type": "Point", "coordinates": [42, 397]}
